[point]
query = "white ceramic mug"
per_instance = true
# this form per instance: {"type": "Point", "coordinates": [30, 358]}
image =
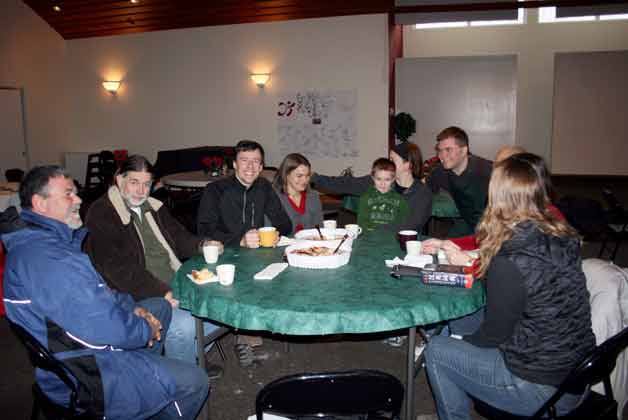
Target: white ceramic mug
{"type": "Point", "coordinates": [413, 248]}
{"type": "Point", "coordinates": [329, 224]}
{"type": "Point", "coordinates": [226, 274]}
{"type": "Point", "coordinates": [211, 252]}
{"type": "Point", "coordinates": [354, 230]}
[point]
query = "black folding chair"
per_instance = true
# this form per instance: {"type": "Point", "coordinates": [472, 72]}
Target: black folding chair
{"type": "Point", "coordinates": [595, 368]}
{"type": "Point", "coordinates": [42, 358]}
{"type": "Point", "coordinates": [617, 217]}
{"type": "Point", "coordinates": [369, 394]}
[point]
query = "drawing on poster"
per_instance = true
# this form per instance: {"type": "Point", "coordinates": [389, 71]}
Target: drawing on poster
{"type": "Point", "coordinates": [318, 124]}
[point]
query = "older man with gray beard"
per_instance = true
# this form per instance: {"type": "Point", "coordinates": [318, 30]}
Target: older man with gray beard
{"type": "Point", "coordinates": [137, 246]}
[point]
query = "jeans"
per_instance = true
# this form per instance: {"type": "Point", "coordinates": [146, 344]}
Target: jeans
{"type": "Point", "coordinates": [192, 387]}
{"type": "Point", "coordinates": [457, 370]}
{"type": "Point", "coordinates": [181, 337]}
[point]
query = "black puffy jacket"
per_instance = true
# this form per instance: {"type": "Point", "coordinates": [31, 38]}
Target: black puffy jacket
{"type": "Point", "coordinates": [554, 333]}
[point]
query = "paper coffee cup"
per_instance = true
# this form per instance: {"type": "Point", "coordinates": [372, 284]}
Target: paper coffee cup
{"type": "Point", "coordinates": [413, 248]}
{"type": "Point", "coordinates": [329, 224]}
{"type": "Point", "coordinates": [211, 252]}
{"type": "Point", "coordinates": [226, 274]}
{"type": "Point", "coordinates": [354, 230]}
{"type": "Point", "coordinates": [268, 236]}
{"type": "Point", "coordinates": [406, 236]}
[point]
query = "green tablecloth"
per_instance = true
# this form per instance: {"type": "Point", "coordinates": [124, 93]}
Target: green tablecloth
{"type": "Point", "coordinates": [442, 205]}
{"type": "Point", "coordinates": [360, 297]}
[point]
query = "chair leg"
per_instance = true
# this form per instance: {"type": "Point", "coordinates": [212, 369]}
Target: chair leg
{"type": "Point", "coordinates": [221, 351]}
{"type": "Point", "coordinates": [614, 254]}
{"type": "Point", "coordinates": [35, 411]}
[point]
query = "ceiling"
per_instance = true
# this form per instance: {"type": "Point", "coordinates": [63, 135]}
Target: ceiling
{"type": "Point", "coordinates": [90, 18]}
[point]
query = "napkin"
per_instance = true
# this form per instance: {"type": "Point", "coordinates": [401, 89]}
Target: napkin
{"type": "Point", "coordinates": [285, 241]}
{"type": "Point", "coordinates": [418, 261]}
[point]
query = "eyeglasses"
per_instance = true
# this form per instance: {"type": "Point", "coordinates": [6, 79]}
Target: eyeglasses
{"type": "Point", "coordinates": [446, 150]}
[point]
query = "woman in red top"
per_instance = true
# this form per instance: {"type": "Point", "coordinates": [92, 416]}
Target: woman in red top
{"type": "Point", "coordinates": [292, 183]}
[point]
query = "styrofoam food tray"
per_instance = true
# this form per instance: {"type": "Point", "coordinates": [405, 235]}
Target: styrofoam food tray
{"type": "Point", "coordinates": [318, 262]}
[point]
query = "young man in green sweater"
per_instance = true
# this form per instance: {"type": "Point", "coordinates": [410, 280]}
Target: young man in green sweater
{"type": "Point", "coordinates": [380, 205]}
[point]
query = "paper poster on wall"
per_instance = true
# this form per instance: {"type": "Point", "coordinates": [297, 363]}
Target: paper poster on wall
{"type": "Point", "coordinates": [318, 124]}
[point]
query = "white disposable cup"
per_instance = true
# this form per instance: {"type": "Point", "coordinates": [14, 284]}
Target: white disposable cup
{"type": "Point", "coordinates": [413, 248]}
{"type": "Point", "coordinates": [226, 273]}
{"type": "Point", "coordinates": [354, 230]}
{"type": "Point", "coordinates": [329, 224]}
{"type": "Point", "coordinates": [210, 252]}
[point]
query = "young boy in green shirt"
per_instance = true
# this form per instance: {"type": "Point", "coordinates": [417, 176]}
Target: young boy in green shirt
{"type": "Point", "coordinates": [380, 205]}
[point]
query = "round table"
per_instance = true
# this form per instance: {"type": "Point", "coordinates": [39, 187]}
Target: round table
{"type": "Point", "coordinates": [9, 195]}
{"type": "Point", "coordinates": [199, 179]}
{"type": "Point", "coordinates": [360, 297]}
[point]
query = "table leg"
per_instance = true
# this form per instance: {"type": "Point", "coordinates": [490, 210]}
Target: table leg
{"type": "Point", "coordinates": [410, 375]}
{"type": "Point", "coordinates": [200, 339]}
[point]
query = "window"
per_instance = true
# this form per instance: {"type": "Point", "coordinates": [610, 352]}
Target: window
{"type": "Point", "coordinates": [463, 24]}
{"type": "Point", "coordinates": [548, 15]}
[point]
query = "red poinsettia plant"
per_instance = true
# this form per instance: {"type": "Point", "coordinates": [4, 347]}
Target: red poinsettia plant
{"type": "Point", "coordinates": [212, 164]}
{"type": "Point", "coordinates": [429, 165]}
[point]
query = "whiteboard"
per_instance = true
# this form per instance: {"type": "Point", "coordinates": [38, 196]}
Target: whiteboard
{"type": "Point", "coordinates": [318, 124]}
{"type": "Point", "coordinates": [12, 131]}
{"type": "Point", "coordinates": [590, 124]}
{"type": "Point", "coordinates": [478, 94]}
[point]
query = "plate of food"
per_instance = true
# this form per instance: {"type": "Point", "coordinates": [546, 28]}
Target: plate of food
{"type": "Point", "coordinates": [203, 276]}
{"type": "Point", "coordinates": [306, 255]}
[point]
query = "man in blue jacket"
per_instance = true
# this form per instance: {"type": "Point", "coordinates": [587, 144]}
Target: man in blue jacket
{"type": "Point", "coordinates": [109, 342]}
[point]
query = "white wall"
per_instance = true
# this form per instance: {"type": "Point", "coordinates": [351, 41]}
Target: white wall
{"type": "Point", "coordinates": [535, 45]}
{"type": "Point", "coordinates": [32, 57]}
{"type": "Point", "coordinates": [191, 87]}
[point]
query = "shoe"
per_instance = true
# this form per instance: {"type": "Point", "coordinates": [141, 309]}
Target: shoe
{"type": "Point", "coordinates": [213, 371]}
{"type": "Point", "coordinates": [418, 350]}
{"type": "Point", "coordinates": [249, 356]}
{"type": "Point", "coordinates": [395, 341]}
{"type": "Point", "coordinates": [427, 417]}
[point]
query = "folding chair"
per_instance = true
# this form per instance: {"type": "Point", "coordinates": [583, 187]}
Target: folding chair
{"type": "Point", "coordinates": [595, 368]}
{"type": "Point", "coordinates": [41, 358]}
{"type": "Point", "coordinates": [369, 394]}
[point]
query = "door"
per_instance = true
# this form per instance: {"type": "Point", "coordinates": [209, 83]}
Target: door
{"type": "Point", "coordinates": [13, 144]}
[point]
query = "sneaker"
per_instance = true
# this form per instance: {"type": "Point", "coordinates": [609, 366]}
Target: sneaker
{"type": "Point", "coordinates": [418, 350]}
{"type": "Point", "coordinates": [395, 341]}
{"type": "Point", "coordinates": [213, 371]}
{"type": "Point", "coordinates": [249, 356]}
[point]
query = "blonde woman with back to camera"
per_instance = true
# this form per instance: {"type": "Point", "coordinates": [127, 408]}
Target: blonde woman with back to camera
{"type": "Point", "coordinates": [537, 324]}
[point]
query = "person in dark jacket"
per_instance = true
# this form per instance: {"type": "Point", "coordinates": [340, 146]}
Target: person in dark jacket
{"type": "Point", "coordinates": [408, 162]}
{"type": "Point", "coordinates": [463, 175]}
{"type": "Point", "coordinates": [103, 337]}
{"type": "Point", "coordinates": [537, 324]}
{"type": "Point", "coordinates": [231, 211]}
{"type": "Point", "coordinates": [137, 246]}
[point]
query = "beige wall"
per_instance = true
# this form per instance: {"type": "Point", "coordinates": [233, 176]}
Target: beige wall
{"type": "Point", "coordinates": [535, 45]}
{"type": "Point", "coordinates": [32, 58]}
{"type": "Point", "coordinates": [191, 87]}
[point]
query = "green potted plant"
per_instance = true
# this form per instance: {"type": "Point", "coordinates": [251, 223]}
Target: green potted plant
{"type": "Point", "coordinates": [403, 126]}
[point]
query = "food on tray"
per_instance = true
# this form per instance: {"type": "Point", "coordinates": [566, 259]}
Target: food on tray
{"type": "Point", "coordinates": [314, 251]}
{"type": "Point", "coordinates": [202, 275]}
{"type": "Point", "coordinates": [325, 238]}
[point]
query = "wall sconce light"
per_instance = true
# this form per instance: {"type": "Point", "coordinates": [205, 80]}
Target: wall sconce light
{"type": "Point", "coordinates": [260, 79]}
{"type": "Point", "coordinates": [111, 86]}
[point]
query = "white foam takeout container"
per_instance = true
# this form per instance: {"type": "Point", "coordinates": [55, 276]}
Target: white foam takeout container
{"type": "Point", "coordinates": [318, 262]}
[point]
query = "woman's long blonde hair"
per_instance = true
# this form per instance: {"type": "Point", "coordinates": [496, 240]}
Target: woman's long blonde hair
{"type": "Point", "coordinates": [517, 192]}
